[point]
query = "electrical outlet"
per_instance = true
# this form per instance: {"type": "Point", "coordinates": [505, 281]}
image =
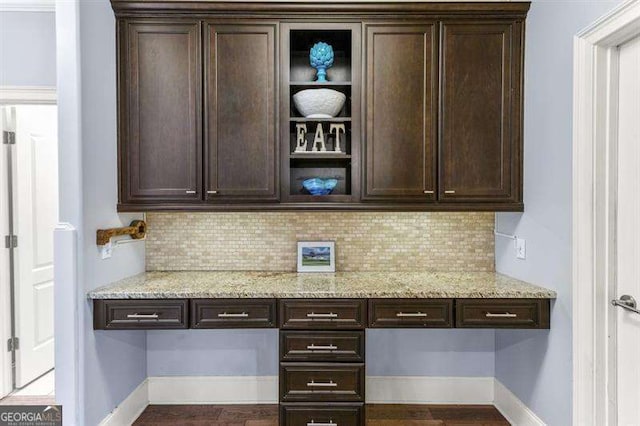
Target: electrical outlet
{"type": "Point", "coordinates": [106, 250]}
{"type": "Point", "coordinates": [521, 248]}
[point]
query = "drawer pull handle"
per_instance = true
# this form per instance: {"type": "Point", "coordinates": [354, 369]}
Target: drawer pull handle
{"type": "Point", "coordinates": [331, 423]}
{"type": "Point", "coordinates": [328, 315]}
{"type": "Point", "coordinates": [504, 315]}
{"type": "Point", "coordinates": [322, 348]}
{"type": "Point", "coordinates": [143, 316]}
{"type": "Point", "coordinates": [449, 192]}
{"type": "Point", "coordinates": [240, 315]}
{"type": "Point", "coordinates": [330, 384]}
{"type": "Point", "coordinates": [190, 192]}
{"type": "Point", "coordinates": [411, 315]}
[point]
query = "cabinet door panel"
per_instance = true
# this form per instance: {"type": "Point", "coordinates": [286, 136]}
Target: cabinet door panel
{"type": "Point", "coordinates": [401, 76]}
{"type": "Point", "coordinates": [160, 146]}
{"type": "Point", "coordinates": [241, 104]}
{"type": "Point", "coordinates": [479, 141]}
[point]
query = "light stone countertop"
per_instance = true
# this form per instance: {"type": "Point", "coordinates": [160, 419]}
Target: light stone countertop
{"type": "Point", "coordinates": [221, 284]}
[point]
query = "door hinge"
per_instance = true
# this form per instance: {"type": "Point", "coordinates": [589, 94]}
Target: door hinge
{"type": "Point", "coordinates": [8, 138]}
{"type": "Point", "coordinates": [13, 344]}
{"type": "Point", "coordinates": [10, 241]}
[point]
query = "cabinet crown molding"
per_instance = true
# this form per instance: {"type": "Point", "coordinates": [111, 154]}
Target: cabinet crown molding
{"type": "Point", "coordinates": [315, 9]}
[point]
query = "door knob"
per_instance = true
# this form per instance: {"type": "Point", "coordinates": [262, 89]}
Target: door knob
{"type": "Point", "coordinates": [626, 302]}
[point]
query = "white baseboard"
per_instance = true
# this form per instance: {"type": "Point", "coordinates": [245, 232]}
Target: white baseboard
{"type": "Point", "coordinates": [213, 390]}
{"type": "Point", "coordinates": [514, 410]}
{"type": "Point", "coordinates": [264, 390]}
{"type": "Point", "coordinates": [129, 410]}
{"type": "Point", "coordinates": [429, 390]}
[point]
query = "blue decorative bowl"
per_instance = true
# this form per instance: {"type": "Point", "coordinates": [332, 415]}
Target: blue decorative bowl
{"type": "Point", "coordinates": [321, 58]}
{"type": "Point", "coordinates": [318, 186]}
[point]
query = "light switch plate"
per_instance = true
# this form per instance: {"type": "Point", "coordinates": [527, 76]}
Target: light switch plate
{"type": "Point", "coordinates": [521, 248]}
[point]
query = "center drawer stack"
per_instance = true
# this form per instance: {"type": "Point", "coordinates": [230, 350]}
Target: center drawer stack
{"type": "Point", "coordinates": [322, 370]}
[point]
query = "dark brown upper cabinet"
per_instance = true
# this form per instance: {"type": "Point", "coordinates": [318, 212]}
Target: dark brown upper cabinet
{"type": "Point", "coordinates": [240, 103]}
{"type": "Point", "coordinates": [432, 118]}
{"type": "Point", "coordinates": [401, 102]}
{"type": "Point", "coordinates": [480, 123]}
{"type": "Point", "coordinates": [159, 115]}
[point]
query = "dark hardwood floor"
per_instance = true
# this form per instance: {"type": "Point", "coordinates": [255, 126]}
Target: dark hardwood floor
{"type": "Point", "coordinates": [267, 415]}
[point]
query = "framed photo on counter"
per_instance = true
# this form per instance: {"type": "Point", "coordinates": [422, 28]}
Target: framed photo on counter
{"type": "Point", "coordinates": [316, 256]}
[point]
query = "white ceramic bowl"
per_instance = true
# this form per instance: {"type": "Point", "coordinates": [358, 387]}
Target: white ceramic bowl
{"type": "Point", "coordinates": [319, 103]}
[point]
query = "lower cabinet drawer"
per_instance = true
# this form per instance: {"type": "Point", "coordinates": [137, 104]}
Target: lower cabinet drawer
{"type": "Point", "coordinates": [411, 313]}
{"type": "Point", "coordinates": [323, 314]}
{"type": "Point", "coordinates": [233, 313]}
{"type": "Point", "coordinates": [316, 382]}
{"type": "Point", "coordinates": [322, 415]}
{"type": "Point", "coordinates": [139, 314]}
{"type": "Point", "coordinates": [331, 346]}
{"type": "Point", "coordinates": [502, 313]}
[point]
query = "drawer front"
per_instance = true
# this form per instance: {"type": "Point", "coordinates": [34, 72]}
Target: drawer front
{"type": "Point", "coordinates": [329, 346]}
{"type": "Point", "coordinates": [328, 314]}
{"type": "Point", "coordinates": [321, 382]}
{"type": "Point", "coordinates": [502, 313]}
{"type": "Point", "coordinates": [137, 314]}
{"type": "Point", "coordinates": [233, 313]}
{"type": "Point", "coordinates": [322, 415]}
{"type": "Point", "coordinates": [411, 313]}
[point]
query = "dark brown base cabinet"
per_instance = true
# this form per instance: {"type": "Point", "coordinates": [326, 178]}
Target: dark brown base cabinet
{"type": "Point", "coordinates": [319, 322]}
{"type": "Point", "coordinates": [322, 341]}
{"type": "Point", "coordinates": [432, 118]}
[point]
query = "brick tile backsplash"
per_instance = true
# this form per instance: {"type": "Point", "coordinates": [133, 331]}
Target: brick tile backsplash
{"type": "Point", "coordinates": [365, 241]}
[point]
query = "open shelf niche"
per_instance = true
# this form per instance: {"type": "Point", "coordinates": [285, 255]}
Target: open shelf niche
{"type": "Point", "coordinates": [339, 162]}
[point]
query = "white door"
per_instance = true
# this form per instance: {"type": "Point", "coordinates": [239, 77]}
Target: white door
{"type": "Point", "coordinates": [627, 352]}
{"type": "Point", "coordinates": [35, 216]}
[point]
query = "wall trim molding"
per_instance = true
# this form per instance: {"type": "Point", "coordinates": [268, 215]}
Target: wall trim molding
{"type": "Point", "coordinates": [213, 390]}
{"type": "Point", "coordinates": [593, 200]}
{"type": "Point", "coordinates": [131, 408]}
{"type": "Point", "coordinates": [516, 412]}
{"type": "Point", "coordinates": [66, 313]}
{"type": "Point", "coordinates": [28, 6]}
{"type": "Point", "coordinates": [176, 390]}
{"type": "Point", "coordinates": [429, 390]}
{"type": "Point", "coordinates": [28, 95]}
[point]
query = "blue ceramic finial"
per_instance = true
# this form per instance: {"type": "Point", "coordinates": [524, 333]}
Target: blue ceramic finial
{"type": "Point", "coordinates": [321, 58]}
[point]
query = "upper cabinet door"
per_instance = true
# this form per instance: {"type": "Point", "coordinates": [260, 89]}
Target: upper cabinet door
{"type": "Point", "coordinates": [480, 139]}
{"type": "Point", "coordinates": [401, 96]}
{"type": "Point", "coordinates": [240, 151]}
{"type": "Point", "coordinates": [159, 112]}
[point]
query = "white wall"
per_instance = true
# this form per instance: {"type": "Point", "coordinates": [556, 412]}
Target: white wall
{"type": "Point", "coordinates": [537, 365]}
{"type": "Point", "coordinates": [27, 49]}
{"type": "Point", "coordinates": [109, 364]}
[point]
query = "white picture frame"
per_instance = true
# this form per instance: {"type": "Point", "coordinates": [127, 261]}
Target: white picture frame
{"type": "Point", "coordinates": [316, 256]}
